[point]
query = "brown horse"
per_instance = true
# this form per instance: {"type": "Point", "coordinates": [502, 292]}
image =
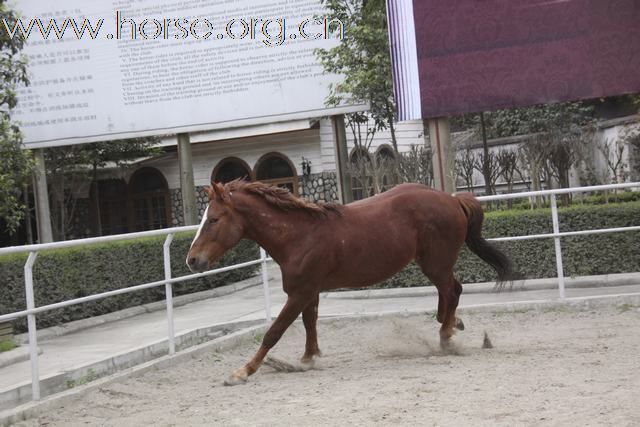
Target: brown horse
{"type": "Point", "coordinates": [322, 247]}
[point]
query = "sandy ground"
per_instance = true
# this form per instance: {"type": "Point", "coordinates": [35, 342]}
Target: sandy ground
{"type": "Point", "coordinates": [549, 367]}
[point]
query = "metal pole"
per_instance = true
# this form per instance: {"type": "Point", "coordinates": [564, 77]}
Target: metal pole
{"type": "Point", "coordinates": [31, 324]}
{"type": "Point", "coordinates": [265, 285]}
{"type": "Point", "coordinates": [168, 288]}
{"type": "Point", "coordinates": [558, 249]}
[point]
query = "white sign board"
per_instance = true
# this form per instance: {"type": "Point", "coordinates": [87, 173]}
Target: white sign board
{"type": "Point", "coordinates": [112, 69]}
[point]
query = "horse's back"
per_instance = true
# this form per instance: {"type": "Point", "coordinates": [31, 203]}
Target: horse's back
{"type": "Point", "coordinates": [410, 197]}
{"type": "Point", "coordinates": [378, 236]}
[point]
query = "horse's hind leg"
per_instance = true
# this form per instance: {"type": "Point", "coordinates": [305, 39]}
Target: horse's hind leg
{"type": "Point", "coordinates": [310, 318]}
{"type": "Point", "coordinates": [449, 291]}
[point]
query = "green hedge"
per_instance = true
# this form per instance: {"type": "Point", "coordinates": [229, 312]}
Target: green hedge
{"type": "Point", "coordinates": [65, 274]}
{"type": "Point", "coordinates": [600, 198]}
{"type": "Point", "coordinates": [582, 255]}
{"type": "Point", "coordinates": [71, 273]}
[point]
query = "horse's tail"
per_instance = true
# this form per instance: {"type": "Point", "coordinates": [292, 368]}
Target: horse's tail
{"type": "Point", "coordinates": [488, 252]}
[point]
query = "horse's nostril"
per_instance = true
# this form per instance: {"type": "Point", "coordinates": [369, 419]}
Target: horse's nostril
{"type": "Point", "coordinates": [191, 261]}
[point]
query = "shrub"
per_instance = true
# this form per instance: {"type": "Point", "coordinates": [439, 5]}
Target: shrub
{"type": "Point", "coordinates": [582, 255]}
{"type": "Point", "coordinates": [65, 274]}
{"type": "Point", "coordinates": [599, 198]}
{"type": "Point", "coordinates": [7, 345]}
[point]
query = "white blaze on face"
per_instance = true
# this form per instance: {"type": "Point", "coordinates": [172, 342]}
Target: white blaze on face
{"type": "Point", "coordinates": [204, 220]}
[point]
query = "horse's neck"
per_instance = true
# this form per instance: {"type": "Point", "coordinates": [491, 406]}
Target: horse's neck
{"type": "Point", "coordinates": [275, 230]}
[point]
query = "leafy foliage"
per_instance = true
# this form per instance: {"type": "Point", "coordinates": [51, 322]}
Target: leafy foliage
{"type": "Point", "coordinates": [64, 274]}
{"type": "Point", "coordinates": [550, 118]}
{"type": "Point", "coordinates": [15, 163]}
{"type": "Point", "coordinates": [416, 165]}
{"type": "Point", "coordinates": [363, 58]}
{"type": "Point", "coordinates": [70, 166]}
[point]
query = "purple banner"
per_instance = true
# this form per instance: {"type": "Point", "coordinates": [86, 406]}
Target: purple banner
{"type": "Point", "coordinates": [485, 55]}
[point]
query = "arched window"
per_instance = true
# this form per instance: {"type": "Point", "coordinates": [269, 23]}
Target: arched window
{"type": "Point", "coordinates": [149, 200]}
{"type": "Point", "coordinates": [385, 168]}
{"type": "Point", "coordinates": [360, 168]}
{"type": "Point", "coordinates": [109, 204]}
{"type": "Point", "coordinates": [277, 169]}
{"type": "Point", "coordinates": [229, 169]}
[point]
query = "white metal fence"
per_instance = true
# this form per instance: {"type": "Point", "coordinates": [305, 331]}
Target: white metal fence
{"type": "Point", "coordinates": [556, 235]}
{"type": "Point", "coordinates": [168, 282]}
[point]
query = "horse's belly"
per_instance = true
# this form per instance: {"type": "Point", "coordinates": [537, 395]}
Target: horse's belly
{"type": "Point", "coordinates": [369, 261]}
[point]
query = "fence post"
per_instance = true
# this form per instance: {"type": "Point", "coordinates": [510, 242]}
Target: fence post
{"type": "Point", "coordinates": [558, 248]}
{"type": "Point", "coordinates": [265, 285]}
{"type": "Point", "coordinates": [168, 288]}
{"type": "Point", "coordinates": [31, 324]}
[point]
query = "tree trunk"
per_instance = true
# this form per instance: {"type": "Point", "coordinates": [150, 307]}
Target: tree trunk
{"type": "Point", "coordinates": [485, 164]}
{"type": "Point", "coordinates": [96, 200]}
{"type": "Point", "coordinates": [27, 213]}
{"type": "Point", "coordinates": [535, 184]}
{"type": "Point", "coordinates": [392, 129]}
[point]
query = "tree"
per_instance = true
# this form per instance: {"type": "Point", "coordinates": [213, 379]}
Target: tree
{"type": "Point", "coordinates": [70, 166]}
{"type": "Point", "coordinates": [363, 58]}
{"type": "Point", "coordinates": [15, 163]}
{"type": "Point", "coordinates": [488, 166]}
{"type": "Point", "coordinates": [559, 135]}
{"type": "Point", "coordinates": [465, 164]}
{"type": "Point", "coordinates": [416, 166]}
{"type": "Point", "coordinates": [121, 153]}
{"type": "Point", "coordinates": [508, 165]}
{"type": "Point", "coordinates": [613, 154]}
{"type": "Point", "coordinates": [557, 118]}
{"type": "Point", "coordinates": [630, 136]}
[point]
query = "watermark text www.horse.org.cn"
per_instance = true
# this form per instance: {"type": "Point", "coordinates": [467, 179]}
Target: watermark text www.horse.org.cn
{"type": "Point", "coordinates": [271, 31]}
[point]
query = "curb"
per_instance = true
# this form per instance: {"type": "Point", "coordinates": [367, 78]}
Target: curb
{"type": "Point", "coordinates": [61, 381]}
{"type": "Point", "coordinates": [78, 325]}
{"type": "Point", "coordinates": [607, 280]}
{"type": "Point", "coordinates": [16, 355]}
{"type": "Point", "coordinates": [33, 409]}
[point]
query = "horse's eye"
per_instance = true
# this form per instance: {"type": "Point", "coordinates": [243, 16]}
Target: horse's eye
{"type": "Point", "coordinates": [213, 220]}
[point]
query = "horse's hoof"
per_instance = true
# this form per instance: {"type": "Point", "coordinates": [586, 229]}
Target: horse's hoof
{"type": "Point", "coordinates": [307, 364]}
{"type": "Point", "coordinates": [459, 324]}
{"type": "Point", "coordinates": [310, 358]}
{"type": "Point", "coordinates": [236, 379]}
{"type": "Point", "coordinates": [233, 380]}
{"type": "Point", "coordinates": [448, 346]}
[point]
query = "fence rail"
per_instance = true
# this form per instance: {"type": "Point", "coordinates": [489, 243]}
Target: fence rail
{"type": "Point", "coordinates": [168, 281]}
{"type": "Point", "coordinates": [556, 235]}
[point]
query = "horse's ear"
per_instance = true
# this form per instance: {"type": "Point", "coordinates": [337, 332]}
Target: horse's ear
{"type": "Point", "coordinates": [210, 193]}
{"type": "Point", "coordinates": [217, 190]}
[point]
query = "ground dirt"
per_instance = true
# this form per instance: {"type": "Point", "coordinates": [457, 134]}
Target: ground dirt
{"type": "Point", "coordinates": [560, 366]}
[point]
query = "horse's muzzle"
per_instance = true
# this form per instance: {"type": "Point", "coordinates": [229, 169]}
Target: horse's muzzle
{"type": "Point", "coordinates": [197, 265]}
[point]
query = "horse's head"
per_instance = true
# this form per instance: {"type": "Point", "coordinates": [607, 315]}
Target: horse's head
{"type": "Point", "coordinates": [220, 230]}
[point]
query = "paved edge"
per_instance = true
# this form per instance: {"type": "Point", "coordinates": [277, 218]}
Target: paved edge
{"type": "Point", "coordinates": [606, 280]}
{"type": "Point", "coordinates": [61, 381]}
{"type": "Point", "coordinates": [34, 409]}
{"type": "Point", "coordinates": [19, 354]}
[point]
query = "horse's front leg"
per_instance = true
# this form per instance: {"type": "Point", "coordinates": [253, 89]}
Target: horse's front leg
{"type": "Point", "coordinates": [291, 310]}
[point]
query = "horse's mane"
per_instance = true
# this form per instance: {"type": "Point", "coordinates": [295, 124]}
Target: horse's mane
{"type": "Point", "coordinates": [282, 198]}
